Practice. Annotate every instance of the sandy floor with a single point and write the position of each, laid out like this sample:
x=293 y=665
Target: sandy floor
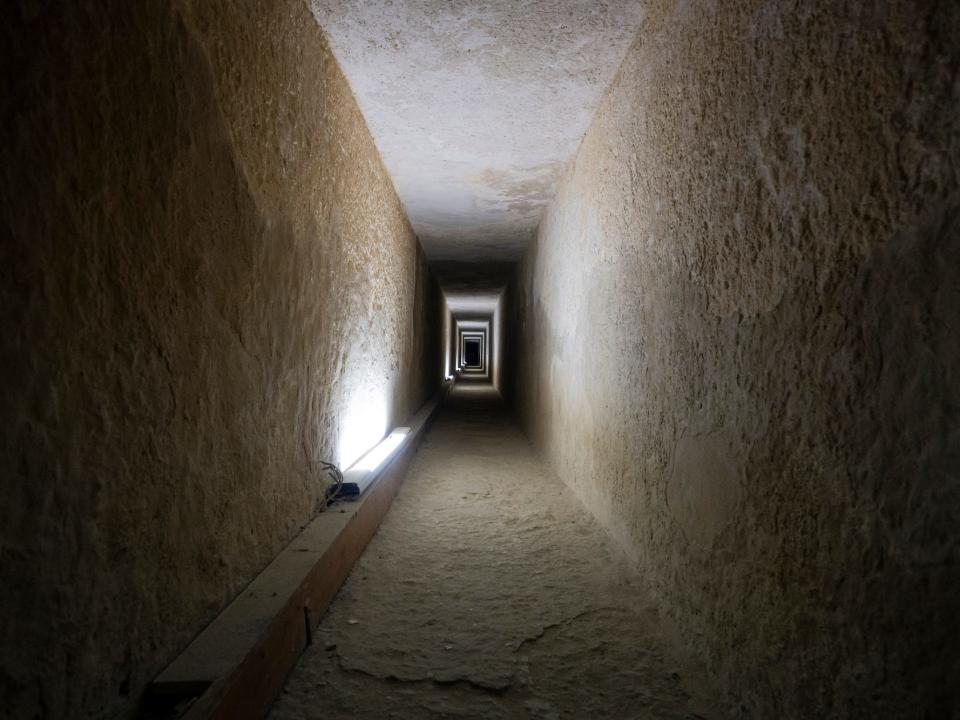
x=488 y=592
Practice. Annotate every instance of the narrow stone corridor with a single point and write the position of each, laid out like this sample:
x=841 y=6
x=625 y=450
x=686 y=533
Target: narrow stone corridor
x=645 y=313
x=489 y=592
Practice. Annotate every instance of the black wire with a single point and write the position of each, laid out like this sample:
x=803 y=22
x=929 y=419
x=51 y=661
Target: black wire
x=334 y=472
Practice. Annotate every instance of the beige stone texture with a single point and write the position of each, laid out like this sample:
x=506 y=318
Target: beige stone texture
x=736 y=339
x=207 y=286
x=528 y=613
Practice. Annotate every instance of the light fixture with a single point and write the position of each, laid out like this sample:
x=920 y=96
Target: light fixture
x=364 y=471
x=376 y=457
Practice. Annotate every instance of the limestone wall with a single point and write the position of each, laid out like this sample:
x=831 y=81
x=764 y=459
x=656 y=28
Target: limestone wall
x=738 y=335
x=207 y=286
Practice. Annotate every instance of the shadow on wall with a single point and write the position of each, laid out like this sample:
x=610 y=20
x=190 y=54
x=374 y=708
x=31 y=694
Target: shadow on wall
x=194 y=318
x=736 y=340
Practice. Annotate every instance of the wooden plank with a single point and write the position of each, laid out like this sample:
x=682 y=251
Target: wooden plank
x=224 y=643
x=243 y=657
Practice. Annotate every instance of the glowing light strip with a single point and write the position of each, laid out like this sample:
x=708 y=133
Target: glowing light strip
x=376 y=457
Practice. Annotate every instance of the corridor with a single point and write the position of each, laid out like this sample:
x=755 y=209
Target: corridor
x=489 y=592
x=690 y=267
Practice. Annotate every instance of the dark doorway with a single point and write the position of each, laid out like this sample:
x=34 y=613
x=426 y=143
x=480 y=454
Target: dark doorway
x=471 y=353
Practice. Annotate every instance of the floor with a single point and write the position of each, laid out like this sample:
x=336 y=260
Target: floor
x=489 y=592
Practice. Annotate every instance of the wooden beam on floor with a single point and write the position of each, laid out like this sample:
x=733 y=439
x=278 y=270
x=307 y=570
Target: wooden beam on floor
x=236 y=666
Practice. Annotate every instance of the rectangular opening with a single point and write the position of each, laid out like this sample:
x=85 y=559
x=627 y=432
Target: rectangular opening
x=471 y=352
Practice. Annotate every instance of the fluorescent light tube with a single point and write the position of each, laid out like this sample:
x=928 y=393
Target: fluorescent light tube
x=359 y=476
x=376 y=457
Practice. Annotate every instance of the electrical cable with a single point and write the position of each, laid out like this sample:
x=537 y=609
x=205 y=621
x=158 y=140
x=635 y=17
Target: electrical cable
x=337 y=476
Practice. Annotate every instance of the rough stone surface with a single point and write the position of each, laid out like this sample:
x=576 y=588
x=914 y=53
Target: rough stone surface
x=207 y=285
x=477 y=107
x=489 y=592
x=738 y=337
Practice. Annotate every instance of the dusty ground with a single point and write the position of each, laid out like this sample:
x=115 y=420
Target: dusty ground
x=488 y=592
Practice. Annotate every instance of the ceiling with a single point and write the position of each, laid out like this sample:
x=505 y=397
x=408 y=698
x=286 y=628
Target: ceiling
x=476 y=107
x=473 y=288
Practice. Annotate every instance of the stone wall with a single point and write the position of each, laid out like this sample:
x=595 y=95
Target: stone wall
x=207 y=286
x=738 y=340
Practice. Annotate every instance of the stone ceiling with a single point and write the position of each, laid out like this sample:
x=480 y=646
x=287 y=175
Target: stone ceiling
x=476 y=107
